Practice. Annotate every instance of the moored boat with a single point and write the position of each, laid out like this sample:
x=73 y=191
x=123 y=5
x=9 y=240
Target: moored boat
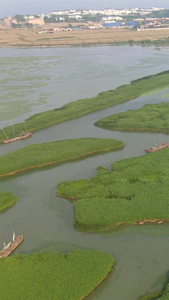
x=152 y=149
x=8 y=249
x=19 y=137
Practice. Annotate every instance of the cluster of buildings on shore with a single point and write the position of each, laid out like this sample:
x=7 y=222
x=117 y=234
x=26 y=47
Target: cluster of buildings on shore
x=34 y=21
x=107 y=18
x=107 y=14
x=9 y=21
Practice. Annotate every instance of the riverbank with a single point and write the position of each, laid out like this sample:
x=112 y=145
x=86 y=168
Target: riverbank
x=48 y=154
x=11 y=37
x=85 y=106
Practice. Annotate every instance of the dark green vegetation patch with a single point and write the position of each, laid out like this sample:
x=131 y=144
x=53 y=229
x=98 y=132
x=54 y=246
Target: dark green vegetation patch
x=165 y=295
x=150 y=117
x=82 y=107
x=6 y=199
x=158 y=295
x=135 y=190
x=53 y=275
x=152 y=296
x=36 y=156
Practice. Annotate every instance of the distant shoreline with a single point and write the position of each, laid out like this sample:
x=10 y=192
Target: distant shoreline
x=29 y=38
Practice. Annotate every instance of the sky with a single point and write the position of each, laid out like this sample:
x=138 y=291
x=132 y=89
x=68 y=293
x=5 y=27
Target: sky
x=33 y=7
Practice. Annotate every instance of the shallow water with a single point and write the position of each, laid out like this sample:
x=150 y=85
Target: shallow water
x=34 y=80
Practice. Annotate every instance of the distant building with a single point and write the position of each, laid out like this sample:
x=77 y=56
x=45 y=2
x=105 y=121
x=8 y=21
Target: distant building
x=14 y=21
x=119 y=24
x=7 y=21
x=36 y=21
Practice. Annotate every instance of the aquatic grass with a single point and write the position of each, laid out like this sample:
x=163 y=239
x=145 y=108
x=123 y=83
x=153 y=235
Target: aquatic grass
x=149 y=118
x=84 y=106
x=152 y=296
x=165 y=294
x=135 y=190
x=53 y=275
x=6 y=199
x=39 y=155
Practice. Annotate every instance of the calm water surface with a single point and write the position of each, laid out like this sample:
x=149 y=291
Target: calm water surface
x=34 y=80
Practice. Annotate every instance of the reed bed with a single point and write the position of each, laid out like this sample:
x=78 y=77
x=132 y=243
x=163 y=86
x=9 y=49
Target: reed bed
x=39 y=155
x=53 y=275
x=149 y=118
x=153 y=296
x=6 y=199
x=165 y=295
x=134 y=191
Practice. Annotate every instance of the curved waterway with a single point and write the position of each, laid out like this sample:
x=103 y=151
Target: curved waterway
x=45 y=220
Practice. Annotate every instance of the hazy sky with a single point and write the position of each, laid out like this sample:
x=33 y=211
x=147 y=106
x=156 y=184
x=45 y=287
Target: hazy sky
x=12 y=7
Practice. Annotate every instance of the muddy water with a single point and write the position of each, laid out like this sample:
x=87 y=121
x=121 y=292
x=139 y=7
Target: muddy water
x=46 y=221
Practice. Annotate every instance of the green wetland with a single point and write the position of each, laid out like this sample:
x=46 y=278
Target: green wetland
x=151 y=118
x=6 y=199
x=80 y=272
x=133 y=191
x=46 y=220
x=54 y=153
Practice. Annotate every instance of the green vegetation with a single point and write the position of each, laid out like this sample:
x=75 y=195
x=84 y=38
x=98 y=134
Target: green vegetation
x=158 y=295
x=163 y=13
x=36 y=156
x=134 y=191
x=165 y=295
x=158 y=42
x=151 y=117
x=6 y=199
x=152 y=296
x=82 y=107
x=53 y=275
x=55 y=18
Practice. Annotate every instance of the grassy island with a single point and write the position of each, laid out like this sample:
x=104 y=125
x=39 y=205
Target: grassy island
x=53 y=275
x=135 y=191
x=40 y=155
x=150 y=118
x=84 y=106
x=6 y=200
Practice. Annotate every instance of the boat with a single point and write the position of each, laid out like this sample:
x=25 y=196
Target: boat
x=11 y=246
x=19 y=137
x=16 y=138
x=152 y=149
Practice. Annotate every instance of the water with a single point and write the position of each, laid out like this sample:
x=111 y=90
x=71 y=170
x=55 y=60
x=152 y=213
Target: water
x=34 y=80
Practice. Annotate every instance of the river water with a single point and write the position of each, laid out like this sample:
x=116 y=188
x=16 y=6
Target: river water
x=35 y=80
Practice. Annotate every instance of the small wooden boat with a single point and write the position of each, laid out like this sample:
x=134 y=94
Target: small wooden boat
x=164 y=145
x=19 y=137
x=8 y=249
